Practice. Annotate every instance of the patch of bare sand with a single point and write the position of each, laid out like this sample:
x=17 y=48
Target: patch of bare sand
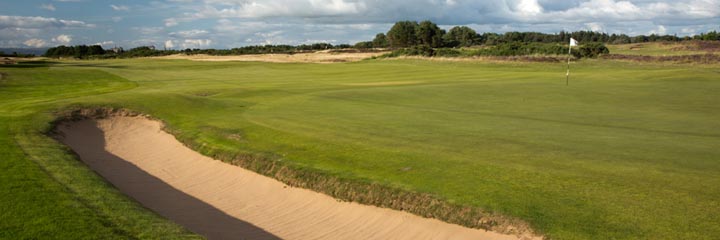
x=222 y=201
x=316 y=57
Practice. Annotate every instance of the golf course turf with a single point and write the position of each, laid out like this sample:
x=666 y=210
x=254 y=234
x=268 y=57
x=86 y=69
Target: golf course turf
x=628 y=150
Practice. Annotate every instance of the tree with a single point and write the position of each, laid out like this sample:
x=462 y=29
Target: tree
x=461 y=36
x=429 y=34
x=491 y=38
x=402 y=34
x=96 y=50
x=710 y=36
x=380 y=41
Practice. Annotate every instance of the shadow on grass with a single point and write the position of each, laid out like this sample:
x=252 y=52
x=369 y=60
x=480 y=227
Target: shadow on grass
x=30 y=64
x=158 y=196
x=100 y=65
x=47 y=63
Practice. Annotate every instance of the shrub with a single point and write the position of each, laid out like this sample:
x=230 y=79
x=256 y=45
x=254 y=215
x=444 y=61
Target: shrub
x=521 y=49
x=591 y=50
x=363 y=45
x=447 y=52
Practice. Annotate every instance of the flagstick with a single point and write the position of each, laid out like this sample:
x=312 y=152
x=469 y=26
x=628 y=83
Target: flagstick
x=567 y=75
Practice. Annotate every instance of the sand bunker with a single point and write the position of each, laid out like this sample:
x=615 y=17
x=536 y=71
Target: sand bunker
x=221 y=201
x=316 y=57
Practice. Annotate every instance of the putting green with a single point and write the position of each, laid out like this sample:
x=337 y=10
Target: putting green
x=627 y=150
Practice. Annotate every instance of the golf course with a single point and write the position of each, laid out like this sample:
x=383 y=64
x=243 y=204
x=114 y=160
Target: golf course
x=626 y=150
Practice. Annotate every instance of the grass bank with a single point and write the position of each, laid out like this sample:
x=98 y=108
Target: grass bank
x=45 y=192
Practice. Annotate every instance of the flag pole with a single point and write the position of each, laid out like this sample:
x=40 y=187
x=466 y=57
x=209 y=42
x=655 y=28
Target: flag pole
x=567 y=75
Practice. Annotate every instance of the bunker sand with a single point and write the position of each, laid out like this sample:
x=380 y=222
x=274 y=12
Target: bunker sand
x=222 y=201
x=316 y=57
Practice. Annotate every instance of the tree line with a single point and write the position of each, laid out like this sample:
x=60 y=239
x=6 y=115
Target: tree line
x=426 y=33
x=589 y=50
x=96 y=51
x=80 y=51
x=15 y=54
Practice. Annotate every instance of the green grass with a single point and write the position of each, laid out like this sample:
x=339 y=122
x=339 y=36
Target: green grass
x=626 y=151
x=46 y=193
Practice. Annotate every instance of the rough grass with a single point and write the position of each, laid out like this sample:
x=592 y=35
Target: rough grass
x=674 y=59
x=666 y=48
x=625 y=152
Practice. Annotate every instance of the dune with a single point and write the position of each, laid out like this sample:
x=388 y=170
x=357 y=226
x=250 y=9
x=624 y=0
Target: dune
x=222 y=201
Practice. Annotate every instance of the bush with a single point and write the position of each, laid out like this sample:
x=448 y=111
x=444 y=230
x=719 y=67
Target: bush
x=522 y=49
x=591 y=50
x=447 y=52
x=364 y=45
x=423 y=50
x=511 y=49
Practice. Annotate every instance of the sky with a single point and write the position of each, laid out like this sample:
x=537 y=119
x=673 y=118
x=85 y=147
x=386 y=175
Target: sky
x=180 y=24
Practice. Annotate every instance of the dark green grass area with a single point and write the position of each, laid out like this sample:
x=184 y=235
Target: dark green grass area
x=626 y=151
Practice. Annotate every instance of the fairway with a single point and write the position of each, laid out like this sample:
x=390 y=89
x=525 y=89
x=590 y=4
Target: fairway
x=626 y=151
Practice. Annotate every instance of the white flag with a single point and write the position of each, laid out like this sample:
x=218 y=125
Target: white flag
x=573 y=42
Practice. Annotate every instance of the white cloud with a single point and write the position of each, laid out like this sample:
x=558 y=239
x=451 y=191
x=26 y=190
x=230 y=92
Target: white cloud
x=144 y=42
x=529 y=7
x=189 y=33
x=688 y=30
x=36 y=43
x=598 y=9
x=169 y=44
x=39 y=22
x=105 y=43
x=661 y=30
x=196 y=43
x=62 y=39
x=119 y=7
x=171 y=22
x=359 y=26
x=148 y=30
x=628 y=11
x=595 y=27
x=280 y=8
x=269 y=34
x=48 y=7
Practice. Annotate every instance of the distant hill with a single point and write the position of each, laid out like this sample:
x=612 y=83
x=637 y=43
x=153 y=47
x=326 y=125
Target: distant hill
x=36 y=51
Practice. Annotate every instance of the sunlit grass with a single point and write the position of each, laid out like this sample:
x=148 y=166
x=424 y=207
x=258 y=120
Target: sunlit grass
x=625 y=151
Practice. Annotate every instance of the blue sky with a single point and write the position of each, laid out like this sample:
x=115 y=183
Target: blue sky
x=180 y=24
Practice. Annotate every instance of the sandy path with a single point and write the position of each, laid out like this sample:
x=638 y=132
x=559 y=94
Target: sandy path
x=221 y=201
